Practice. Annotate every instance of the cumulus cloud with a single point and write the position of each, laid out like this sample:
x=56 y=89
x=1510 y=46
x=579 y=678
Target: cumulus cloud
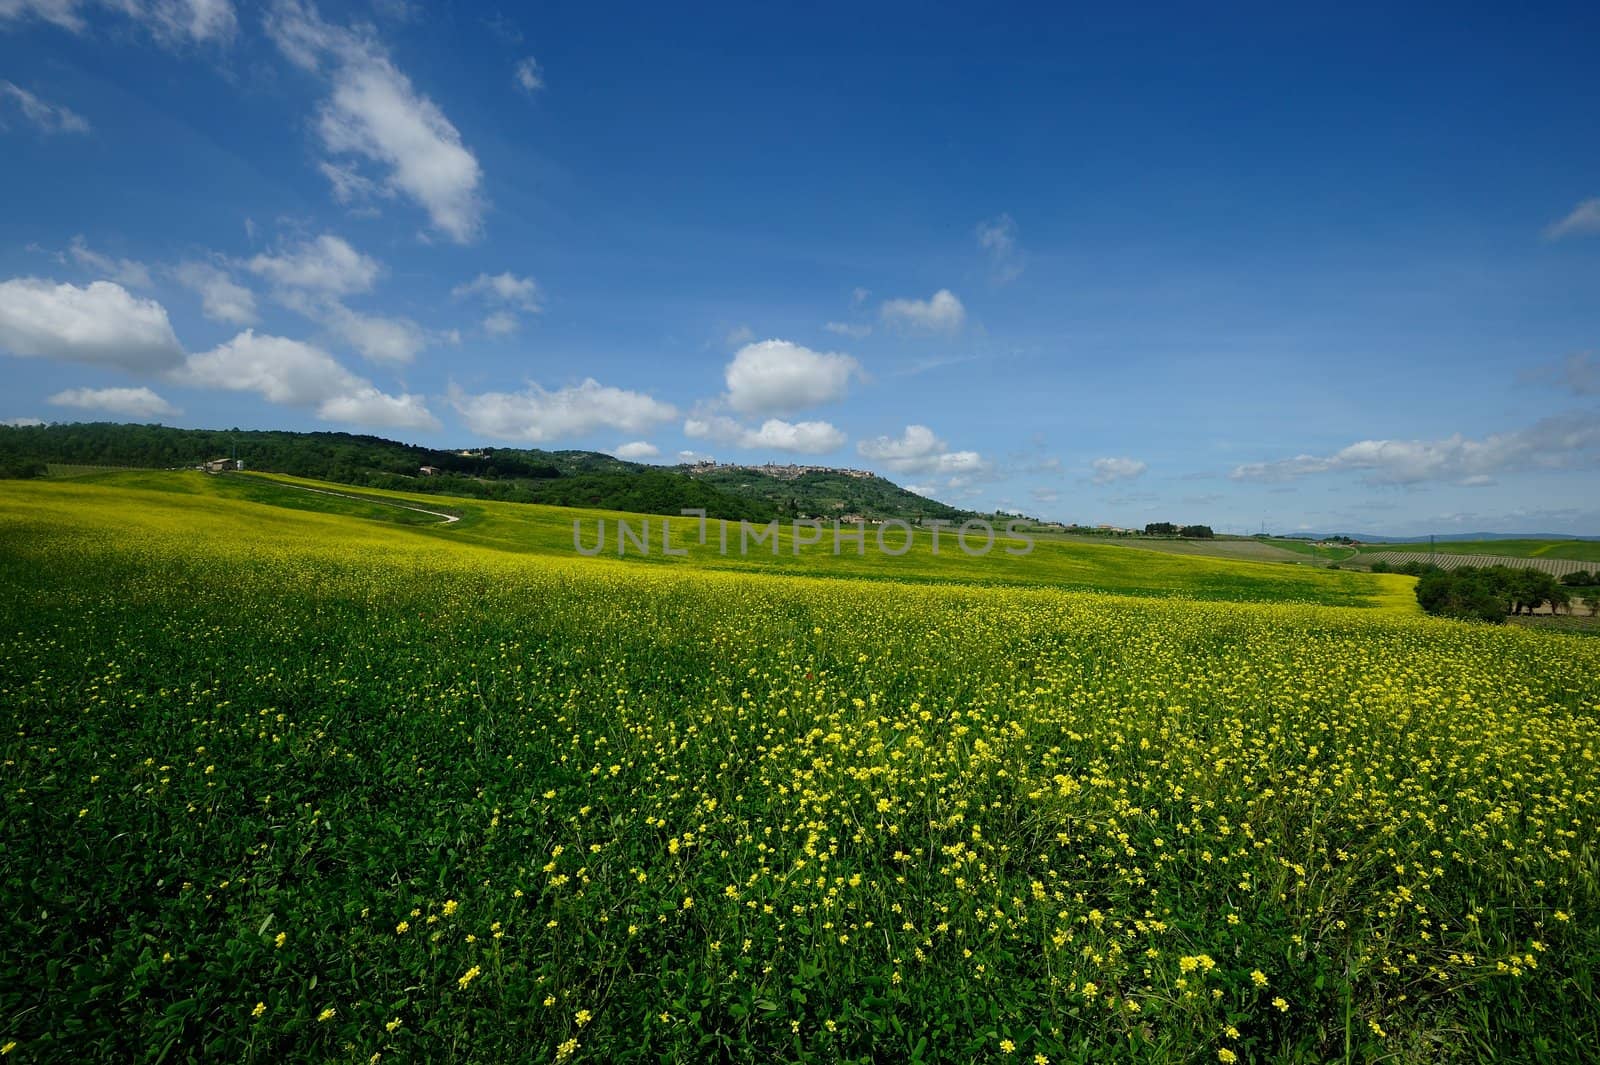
x=1110 y=470
x=294 y=373
x=129 y=272
x=1583 y=220
x=505 y=291
x=942 y=313
x=636 y=450
x=376 y=337
x=919 y=450
x=101 y=323
x=998 y=237
x=129 y=402
x=221 y=298
x=1560 y=442
x=310 y=278
x=538 y=415
x=327 y=265
x=169 y=21
x=778 y=377
x=48 y=117
x=374 y=116
x=506 y=288
x=528 y=75
x=774 y=434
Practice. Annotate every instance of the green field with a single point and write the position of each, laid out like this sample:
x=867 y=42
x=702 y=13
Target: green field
x=1575 y=550
x=332 y=784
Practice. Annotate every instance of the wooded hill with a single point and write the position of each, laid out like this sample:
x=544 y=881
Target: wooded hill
x=518 y=475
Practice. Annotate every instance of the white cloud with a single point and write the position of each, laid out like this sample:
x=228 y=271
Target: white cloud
x=501 y=323
x=49 y=117
x=376 y=337
x=101 y=323
x=739 y=336
x=327 y=265
x=349 y=184
x=1559 y=442
x=372 y=409
x=636 y=450
x=528 y=75
x=849 y=329
x=1109 y=470
x=919 y=450
x=774 y=434
x=941 y=313
x=221 y=298
x=1584 y=220
x=806 y=438
x=507 y=288
x=131 y=402
x=538 y=415
x=169 y=21
x=998 y=237
x=778 y=377
x=311 y=276
x=294 y=373
x=374 y=114
x=129 y=272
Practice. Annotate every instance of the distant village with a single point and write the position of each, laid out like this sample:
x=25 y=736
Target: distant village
x=785 y=472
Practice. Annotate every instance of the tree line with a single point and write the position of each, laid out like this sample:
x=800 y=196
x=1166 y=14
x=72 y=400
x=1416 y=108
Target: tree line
x=1493 y=593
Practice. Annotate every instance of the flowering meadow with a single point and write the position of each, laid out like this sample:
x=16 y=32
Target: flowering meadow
x=283 y=785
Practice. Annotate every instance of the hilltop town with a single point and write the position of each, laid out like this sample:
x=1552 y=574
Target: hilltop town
x=784 y=471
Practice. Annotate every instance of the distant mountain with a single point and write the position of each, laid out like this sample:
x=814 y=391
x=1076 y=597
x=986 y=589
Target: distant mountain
x=1375 y=538
x=519 y=475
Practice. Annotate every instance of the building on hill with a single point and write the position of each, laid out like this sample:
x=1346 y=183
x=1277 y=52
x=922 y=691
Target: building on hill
x=219 y=465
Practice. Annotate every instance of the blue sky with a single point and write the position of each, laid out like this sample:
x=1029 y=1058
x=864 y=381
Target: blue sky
x=1318 y=270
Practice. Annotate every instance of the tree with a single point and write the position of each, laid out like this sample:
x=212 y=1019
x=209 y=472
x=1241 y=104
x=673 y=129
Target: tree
x=1197 y=532
x=1161 y=528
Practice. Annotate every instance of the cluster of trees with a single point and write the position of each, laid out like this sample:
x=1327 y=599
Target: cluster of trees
x=1491 y=593
x=1188 y=532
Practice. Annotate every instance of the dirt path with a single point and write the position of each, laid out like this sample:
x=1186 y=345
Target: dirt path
x=444 y=519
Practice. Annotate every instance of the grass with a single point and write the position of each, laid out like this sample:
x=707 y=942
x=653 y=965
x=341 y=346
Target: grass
x=290 y=785
x=157 y=500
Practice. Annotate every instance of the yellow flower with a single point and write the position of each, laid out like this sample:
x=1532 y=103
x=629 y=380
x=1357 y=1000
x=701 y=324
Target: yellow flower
x=1040 y=1059
x=566 y=1050
x=261 y=1007
x=688 y=903
x=280 y=940
x=9 y=1047
x=583 y=1017
x=1283 y=1006
x=468 y=976
x=402 y=928
x=1007 y=1046
x=1226 y=1056
x=393 y=1026
x=449 y=907
x=1258 y=978
x=326 y=1015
